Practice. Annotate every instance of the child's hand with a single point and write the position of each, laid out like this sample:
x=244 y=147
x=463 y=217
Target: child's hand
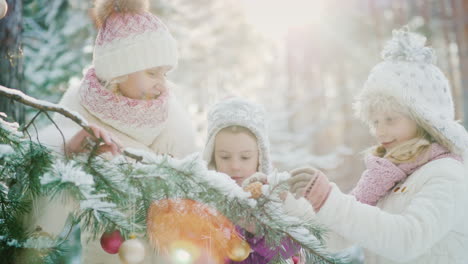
x=299 y=180
x=82 y=142
x=254 y=183
x=312 y=184
x=256 y=177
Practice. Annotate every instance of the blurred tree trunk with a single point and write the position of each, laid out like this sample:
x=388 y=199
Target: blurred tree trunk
x=460 y=8
x=448 y=30
x=11 y=58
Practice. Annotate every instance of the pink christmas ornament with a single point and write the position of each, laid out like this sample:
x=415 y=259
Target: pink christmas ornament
x=111 y=241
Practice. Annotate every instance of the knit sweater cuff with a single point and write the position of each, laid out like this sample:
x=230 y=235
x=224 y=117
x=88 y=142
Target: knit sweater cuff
x=319 y=206
x=318 y=191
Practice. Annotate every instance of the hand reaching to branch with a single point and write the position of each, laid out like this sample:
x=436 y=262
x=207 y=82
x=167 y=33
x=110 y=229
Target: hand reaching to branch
x=310 y=183
x=300 y=179
x=83 y=142
x=256 y=177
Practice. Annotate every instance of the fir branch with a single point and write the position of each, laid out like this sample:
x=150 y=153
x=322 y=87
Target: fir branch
x=93 y=167
x=41 y=105
x=289 y=226
x=32 y=120
x=190 y=171
x=97 y=216
x=64 y=141
x=118 y=182
x=37 y=133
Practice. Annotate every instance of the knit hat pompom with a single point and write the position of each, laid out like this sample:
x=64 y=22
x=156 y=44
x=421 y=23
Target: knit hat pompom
x=104 y=8
x=408 y=46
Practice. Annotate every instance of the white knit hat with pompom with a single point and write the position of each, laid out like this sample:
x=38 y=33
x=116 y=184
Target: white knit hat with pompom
x=130 y=39
x=408 y=75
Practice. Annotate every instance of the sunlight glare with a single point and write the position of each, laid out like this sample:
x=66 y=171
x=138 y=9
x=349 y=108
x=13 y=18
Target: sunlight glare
x=274 y=17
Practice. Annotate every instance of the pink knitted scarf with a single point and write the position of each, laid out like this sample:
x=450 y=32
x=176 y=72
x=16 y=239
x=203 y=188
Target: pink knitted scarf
x=382 y=175
x=142 y=120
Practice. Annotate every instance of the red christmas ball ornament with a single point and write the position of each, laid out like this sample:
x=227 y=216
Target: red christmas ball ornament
x=111 y=241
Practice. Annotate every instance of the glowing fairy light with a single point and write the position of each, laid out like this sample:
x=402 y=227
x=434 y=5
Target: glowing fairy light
x=184 y=252
x=182 y=256
x=274 y=17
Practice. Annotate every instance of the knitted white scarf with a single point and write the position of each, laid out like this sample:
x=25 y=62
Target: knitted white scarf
x=142 y=120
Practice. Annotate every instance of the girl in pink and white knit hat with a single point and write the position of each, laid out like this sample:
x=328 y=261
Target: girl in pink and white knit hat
x=125 y=95
x=125 y=98
x=410 y=205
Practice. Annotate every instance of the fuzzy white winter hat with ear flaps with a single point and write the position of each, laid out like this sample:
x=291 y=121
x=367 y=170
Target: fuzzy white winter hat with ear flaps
x=130 y=39
x=408 y=76
x=239 y=112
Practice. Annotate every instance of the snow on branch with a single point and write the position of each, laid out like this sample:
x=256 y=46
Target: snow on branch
x=45 y=106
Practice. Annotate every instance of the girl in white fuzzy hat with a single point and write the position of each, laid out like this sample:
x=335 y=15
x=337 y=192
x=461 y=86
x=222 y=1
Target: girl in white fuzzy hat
x=238 y=146
x=126 y=98
x=411 y=204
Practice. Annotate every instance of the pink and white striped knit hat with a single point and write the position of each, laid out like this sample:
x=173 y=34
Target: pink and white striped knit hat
x=130 y=39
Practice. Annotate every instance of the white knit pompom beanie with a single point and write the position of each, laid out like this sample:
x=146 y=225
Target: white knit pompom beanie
x=239 y=112
x=408 y=76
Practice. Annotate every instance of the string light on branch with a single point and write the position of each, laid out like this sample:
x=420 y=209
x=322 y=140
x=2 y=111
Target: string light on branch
x=184 y=252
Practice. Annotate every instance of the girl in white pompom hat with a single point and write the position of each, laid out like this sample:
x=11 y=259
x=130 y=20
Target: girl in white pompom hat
x=411 y=204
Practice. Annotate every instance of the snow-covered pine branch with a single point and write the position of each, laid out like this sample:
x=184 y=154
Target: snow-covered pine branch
x=45 y=106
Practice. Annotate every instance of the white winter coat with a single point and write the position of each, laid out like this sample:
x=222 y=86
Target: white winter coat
x=423 y=220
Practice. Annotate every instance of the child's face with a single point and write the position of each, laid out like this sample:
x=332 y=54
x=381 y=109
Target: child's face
x=145 y=85
x=236 y=154
x=392 y=128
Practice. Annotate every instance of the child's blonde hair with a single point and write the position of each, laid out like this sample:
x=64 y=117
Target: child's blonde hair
x=409 y=150
x=113 y=85
x=238 y=129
